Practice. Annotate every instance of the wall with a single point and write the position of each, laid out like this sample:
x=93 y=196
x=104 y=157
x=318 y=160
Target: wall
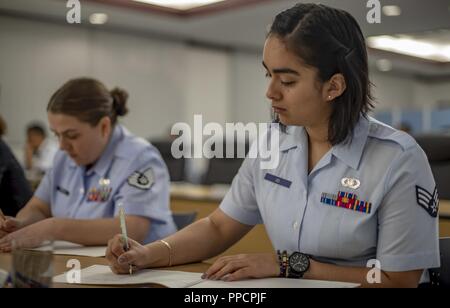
x=168 y=81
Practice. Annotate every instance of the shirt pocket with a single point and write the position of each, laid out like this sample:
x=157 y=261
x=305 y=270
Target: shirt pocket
x=358 y=235
x=96 y=210
x=275 y=190
x=346 y=232
x=279 y=204
x=61 y=200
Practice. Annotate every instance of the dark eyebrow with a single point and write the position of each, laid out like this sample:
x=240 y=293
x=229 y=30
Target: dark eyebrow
x=282 y=70
x=66 y=131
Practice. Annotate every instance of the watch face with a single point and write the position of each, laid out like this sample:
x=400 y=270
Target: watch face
x=299 y=262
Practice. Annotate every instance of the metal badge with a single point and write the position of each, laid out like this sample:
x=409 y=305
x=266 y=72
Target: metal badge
x=104 y=182
x=351 y=183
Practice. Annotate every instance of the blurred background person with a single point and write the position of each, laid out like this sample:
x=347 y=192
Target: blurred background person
x=39 y=149
x=99 y=167
x=14 y=188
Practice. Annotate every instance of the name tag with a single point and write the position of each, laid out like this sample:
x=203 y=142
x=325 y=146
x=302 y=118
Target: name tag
x=62 y=190
x=277 y=180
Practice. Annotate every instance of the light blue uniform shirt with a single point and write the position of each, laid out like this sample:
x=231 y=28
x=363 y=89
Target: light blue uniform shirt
x=130 y=171
x=400 y=230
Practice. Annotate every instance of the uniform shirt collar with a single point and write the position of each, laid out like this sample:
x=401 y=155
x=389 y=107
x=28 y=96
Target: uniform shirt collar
x=351 y=153
x=105 y=160
x=293 y=137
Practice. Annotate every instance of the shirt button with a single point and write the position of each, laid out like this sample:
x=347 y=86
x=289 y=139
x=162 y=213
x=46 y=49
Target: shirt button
x=81 y=191
x=295 y=225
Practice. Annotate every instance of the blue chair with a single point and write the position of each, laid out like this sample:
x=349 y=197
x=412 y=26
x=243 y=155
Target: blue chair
x=437 y=148
x=223 y=170
x=175 y=166
x=440 y=277
x=183 y=219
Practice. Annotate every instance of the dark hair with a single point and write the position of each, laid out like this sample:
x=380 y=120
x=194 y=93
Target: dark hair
x=89 y=101
x=3 y=127
x=331 y=41
x=37 y=128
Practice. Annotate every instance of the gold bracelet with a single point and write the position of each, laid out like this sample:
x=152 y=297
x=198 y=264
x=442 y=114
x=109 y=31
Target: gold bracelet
x=170 y=251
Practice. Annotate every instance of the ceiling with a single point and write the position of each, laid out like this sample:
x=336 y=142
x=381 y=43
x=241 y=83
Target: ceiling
x=240 y=26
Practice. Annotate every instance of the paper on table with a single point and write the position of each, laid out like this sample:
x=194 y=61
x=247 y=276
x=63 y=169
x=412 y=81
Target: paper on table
x=3 y=277
x=102 y=275
x=68 y=248
x=275 y=283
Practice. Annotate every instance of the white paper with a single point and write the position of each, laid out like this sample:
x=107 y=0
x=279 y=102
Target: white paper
x=274 y=283
x=72 y=249
x=102 y=275
x=3 y=277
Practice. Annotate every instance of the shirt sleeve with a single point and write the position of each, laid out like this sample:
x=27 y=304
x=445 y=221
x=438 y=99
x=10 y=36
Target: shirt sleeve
x=146 y=190
x=44 y=189
x=408 y=216
x=240 y=201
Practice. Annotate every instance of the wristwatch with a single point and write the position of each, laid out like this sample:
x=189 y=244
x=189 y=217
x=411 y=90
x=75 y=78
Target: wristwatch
x=298 y=265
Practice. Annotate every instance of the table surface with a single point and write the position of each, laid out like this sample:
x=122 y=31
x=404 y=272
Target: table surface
x=444 y=208
x=60 y=266
x=199 y=192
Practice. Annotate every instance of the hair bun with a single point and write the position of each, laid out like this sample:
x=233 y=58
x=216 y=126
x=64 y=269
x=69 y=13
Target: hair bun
x=120 y=98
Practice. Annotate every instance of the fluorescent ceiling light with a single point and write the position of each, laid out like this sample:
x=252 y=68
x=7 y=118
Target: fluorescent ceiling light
x=392 y=10
x=179 y=4
x=402 y=44
x=384 y=65
x=98 y=18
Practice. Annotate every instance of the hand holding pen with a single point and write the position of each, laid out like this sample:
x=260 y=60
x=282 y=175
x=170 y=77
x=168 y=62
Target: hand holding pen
x=123 y=226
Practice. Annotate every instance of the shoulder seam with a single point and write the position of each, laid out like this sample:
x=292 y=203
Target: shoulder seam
x=410 y=144
x=394 y=163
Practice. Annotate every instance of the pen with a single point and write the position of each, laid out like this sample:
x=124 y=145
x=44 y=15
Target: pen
x=123 y=226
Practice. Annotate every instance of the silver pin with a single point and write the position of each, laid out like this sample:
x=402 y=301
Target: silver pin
x=104 y=182
x=351 y=183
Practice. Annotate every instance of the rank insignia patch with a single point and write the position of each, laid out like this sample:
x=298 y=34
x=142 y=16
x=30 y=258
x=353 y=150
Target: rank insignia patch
x=346 y=200
x=142 y=180
x=428 y=201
